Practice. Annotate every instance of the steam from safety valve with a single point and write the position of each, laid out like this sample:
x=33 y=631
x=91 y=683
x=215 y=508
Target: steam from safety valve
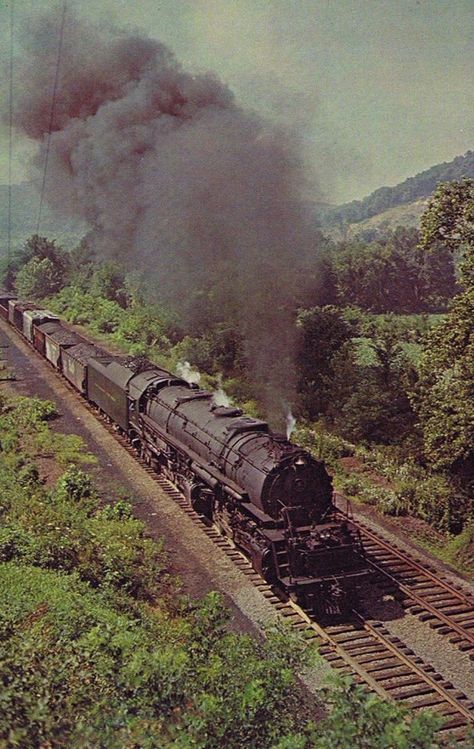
x=290 y=423
x=185 y=370
x=220 y=397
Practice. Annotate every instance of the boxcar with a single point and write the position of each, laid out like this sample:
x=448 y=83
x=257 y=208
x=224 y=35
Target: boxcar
x=74 y=361
x=107 y=387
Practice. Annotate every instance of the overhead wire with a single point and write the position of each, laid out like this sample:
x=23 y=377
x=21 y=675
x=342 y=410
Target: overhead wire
x=51 y=116
x=10 y=141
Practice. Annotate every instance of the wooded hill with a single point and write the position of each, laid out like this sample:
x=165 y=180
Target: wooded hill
x=382 y=211
x=413 y=189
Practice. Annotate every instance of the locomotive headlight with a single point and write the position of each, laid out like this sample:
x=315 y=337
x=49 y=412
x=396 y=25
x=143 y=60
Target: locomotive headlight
x=300 y=462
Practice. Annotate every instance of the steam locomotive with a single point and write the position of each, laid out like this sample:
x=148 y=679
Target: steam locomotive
x=272 y=498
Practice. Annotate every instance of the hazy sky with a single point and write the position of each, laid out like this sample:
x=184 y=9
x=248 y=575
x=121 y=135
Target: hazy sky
x=377 y=89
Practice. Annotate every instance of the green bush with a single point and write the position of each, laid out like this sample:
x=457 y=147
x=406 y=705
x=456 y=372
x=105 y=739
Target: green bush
x=82 y=308
x=65 y=530
x=323 y=444
x=359 y=720
x=76 y=672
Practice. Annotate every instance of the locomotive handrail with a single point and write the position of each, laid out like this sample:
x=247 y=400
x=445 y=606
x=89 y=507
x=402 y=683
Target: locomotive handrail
x=210 y=434
x=195 y=397
x=151 y=424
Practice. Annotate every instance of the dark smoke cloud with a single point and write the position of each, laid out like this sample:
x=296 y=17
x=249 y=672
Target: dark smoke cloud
x=175 y=180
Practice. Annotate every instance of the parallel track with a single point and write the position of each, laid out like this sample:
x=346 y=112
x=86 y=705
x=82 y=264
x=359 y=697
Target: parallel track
x=364 y=648
x=421 y=589
x=361 y=647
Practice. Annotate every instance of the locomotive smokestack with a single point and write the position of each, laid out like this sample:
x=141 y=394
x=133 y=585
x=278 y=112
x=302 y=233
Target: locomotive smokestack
x=174 y=179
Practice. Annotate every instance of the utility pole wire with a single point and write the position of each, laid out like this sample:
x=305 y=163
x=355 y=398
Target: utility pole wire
x=10 y=143
x=51 y=117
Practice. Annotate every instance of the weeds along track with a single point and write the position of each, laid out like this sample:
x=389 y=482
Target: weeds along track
x=361 y=647
x=422 y=590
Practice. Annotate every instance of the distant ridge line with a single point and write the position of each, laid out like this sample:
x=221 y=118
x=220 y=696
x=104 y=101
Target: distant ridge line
x=420 y=186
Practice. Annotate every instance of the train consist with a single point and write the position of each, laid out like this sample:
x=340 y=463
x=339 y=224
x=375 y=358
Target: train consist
x=272 y=498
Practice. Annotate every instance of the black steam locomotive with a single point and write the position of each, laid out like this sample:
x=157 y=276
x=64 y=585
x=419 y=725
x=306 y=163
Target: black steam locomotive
x=272 y=498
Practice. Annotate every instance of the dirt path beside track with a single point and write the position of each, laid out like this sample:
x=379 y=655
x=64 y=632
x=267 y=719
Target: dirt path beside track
x=200 y=564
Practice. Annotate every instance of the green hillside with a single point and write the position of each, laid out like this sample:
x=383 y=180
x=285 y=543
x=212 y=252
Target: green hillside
x=412 y=189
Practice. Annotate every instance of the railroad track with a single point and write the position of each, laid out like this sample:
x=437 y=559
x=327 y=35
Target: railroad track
x=362 y=647
x=420 y=589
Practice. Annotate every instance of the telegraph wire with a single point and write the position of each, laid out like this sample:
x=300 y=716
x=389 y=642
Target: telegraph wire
x=51 y=117
x=10 y=142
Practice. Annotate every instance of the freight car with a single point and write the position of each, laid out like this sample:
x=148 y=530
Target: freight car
x=5 y=297
x=271 y=497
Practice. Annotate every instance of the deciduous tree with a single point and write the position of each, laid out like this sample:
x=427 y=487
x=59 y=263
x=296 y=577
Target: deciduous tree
x=444 y=397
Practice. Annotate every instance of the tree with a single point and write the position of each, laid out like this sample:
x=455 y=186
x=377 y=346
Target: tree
x=40 y=268
x=41 y=247
x=38 y=278
x=107 y=281
x=444 y=396
x=449 y=216
x=394 y=274
x=7 y=273
x=81 y=265
x=378 y=408
x=323 y=335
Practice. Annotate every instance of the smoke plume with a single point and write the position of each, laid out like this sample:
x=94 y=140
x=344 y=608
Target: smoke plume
x=176 y=180
x=220 y=397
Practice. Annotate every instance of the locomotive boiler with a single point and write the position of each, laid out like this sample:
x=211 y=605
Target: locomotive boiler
x=271 y=497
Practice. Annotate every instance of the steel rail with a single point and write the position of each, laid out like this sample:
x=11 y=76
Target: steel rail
x=409 y=591
x=451 y=623
x=290 y=607
x=378 y=539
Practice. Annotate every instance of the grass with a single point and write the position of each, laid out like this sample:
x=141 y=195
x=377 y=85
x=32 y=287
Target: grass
x=457 y=551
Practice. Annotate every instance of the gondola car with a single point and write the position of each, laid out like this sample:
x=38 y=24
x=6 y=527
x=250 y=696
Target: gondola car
x=271 y=497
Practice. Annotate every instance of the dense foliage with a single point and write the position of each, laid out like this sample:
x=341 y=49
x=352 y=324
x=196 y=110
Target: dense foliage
x=395 y=274
x=40 y=268
x=97 y=647
x=444 y=396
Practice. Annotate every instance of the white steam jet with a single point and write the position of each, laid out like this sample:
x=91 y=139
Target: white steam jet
x=220 y=397
x=290 y=423
x=185 y=370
